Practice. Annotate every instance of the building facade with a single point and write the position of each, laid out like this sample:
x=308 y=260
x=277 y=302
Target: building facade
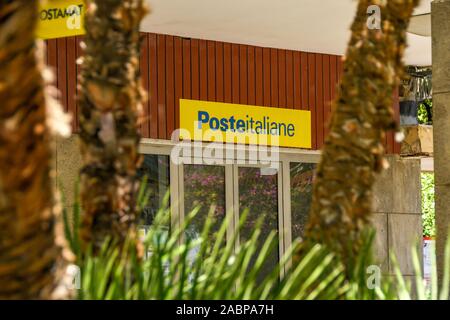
x=175 y=68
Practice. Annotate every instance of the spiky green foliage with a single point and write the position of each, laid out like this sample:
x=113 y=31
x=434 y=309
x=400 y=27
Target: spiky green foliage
x=198 y=269
x=419 y=289
x=177 y=267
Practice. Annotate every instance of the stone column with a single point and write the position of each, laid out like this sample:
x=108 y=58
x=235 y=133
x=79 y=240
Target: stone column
x=397 y=216
x=440 y=16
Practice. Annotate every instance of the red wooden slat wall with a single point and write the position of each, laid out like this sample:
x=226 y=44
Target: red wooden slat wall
x=173 y=67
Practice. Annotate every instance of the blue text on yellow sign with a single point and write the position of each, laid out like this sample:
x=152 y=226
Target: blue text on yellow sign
x=235 y=123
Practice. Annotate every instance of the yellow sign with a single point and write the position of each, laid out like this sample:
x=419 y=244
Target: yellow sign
x=60 y=18
x=235 y=123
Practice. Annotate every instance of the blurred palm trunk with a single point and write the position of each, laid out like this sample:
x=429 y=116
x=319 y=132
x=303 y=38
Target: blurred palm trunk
x=30 y=255
x=110 y=99
x=353 y=152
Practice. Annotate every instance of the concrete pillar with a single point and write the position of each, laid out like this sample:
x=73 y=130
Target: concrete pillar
x=397 y=216
x=440 y=16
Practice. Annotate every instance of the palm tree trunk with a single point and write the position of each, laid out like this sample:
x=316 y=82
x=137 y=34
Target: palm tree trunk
x=110 y=101
x=353 y=151
x=30 y=255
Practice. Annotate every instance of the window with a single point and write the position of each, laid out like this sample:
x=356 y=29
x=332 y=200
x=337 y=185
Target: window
x=301 y=175
x=204 y=186
x=155 y=168
x=282 y=195
x=258 y=194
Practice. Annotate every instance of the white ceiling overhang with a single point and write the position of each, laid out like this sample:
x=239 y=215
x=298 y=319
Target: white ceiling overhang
x=308 y=25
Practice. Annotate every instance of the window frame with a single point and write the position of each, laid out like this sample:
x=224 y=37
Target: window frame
x=286 y=157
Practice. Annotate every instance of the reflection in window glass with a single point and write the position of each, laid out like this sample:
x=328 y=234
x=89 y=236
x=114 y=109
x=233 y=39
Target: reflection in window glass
x=302 y=175
x=156 y=168
x=259 y=195
x=204 y=186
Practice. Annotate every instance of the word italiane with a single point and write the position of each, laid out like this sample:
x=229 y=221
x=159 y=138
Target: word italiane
x=58 y=13
x=248 y=125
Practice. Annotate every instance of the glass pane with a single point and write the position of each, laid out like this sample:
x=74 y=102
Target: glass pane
x=157 y=169
x=258 y=194
x=204 y=187
x=302 y=175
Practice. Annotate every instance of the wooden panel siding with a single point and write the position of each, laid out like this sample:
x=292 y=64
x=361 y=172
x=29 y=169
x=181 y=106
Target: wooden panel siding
x=145 y=74
x=178 y=78
x=153 y=87
x=173 y=67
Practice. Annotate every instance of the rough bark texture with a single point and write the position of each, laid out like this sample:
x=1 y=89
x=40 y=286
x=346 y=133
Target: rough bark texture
x=30 y=255
x=110 y=101
x=353 y=151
